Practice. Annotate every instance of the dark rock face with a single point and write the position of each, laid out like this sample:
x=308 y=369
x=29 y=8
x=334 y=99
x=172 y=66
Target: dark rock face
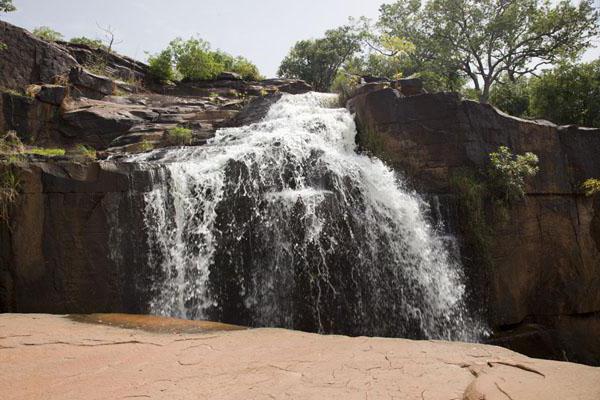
x=91 y=85
x=28 y=59
x=115 y=65
x=543 y=263
x=73 y=230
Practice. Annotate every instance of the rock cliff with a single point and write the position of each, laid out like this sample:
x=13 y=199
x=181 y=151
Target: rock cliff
x=537 y=269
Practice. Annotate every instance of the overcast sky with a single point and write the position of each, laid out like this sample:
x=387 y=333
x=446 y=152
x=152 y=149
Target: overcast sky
x=261 y=30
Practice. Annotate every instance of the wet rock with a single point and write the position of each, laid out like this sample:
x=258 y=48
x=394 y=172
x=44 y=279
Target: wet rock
x=542 y=265
x=254 y=111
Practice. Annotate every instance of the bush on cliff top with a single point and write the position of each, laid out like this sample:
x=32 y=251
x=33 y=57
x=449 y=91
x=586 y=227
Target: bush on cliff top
x=48 y=34
x=193 y=59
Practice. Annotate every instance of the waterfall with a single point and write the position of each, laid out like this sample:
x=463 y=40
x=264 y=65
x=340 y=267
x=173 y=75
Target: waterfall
x=282 y=223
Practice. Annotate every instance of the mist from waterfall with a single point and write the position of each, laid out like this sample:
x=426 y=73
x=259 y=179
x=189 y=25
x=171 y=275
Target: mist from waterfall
x=282 y=223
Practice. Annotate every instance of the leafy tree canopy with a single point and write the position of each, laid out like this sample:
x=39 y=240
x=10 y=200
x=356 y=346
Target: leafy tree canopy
x=7 y=6
x=317 y=61
x=193 y=59
x=485 y=40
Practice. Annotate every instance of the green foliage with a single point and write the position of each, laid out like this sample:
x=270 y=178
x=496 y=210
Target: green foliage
x=7 y=6
x=86 y=151
x=239 y=65
x=179 y=136
x=193 y=59
x=471 y=193
x=10 y=143
x=318 y=61
x=568 y=94
x=47 y=34
x=9 y=191
x=145 y=145
x=161 y=66
x=591 y=187
x=49 y=152
x=484 y=40
x=344 y=84
x=93 y=43
x=512 y=97
x=507 y=173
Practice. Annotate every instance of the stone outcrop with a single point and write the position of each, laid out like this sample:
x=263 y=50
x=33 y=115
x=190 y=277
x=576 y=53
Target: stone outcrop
x=75 y=241
x=538 y=270
x=28 y=59
x=191 y=360
x=50 y=97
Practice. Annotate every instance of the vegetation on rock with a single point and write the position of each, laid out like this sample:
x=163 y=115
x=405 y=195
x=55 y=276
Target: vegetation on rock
x=193 y=59
x=48 y=34
x=591 y=187
x=318 y=61
x=179 y=136
x=507 y=173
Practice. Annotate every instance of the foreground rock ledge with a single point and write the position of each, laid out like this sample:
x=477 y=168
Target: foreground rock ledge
x=53 y=357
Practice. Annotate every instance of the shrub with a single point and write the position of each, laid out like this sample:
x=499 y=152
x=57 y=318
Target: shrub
x=344 y=84
x=47 y=34
x=10 y=143
x=568 y=94
x=507 y=173
x=179 y=136
x=9 y=191
x=511 y=97
x=591 y=187
x=86 y=151
x=161 y=66
x=145 y=145
x=93 y=43
x=49 y=152
x=194 y=60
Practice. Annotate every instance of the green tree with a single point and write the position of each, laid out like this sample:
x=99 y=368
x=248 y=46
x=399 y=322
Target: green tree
x=485 y=40
x=161 y=66
x=512 y=97
x=568 y=94
x=194 y=60
x=47 y=34
x=7 y=6
x=318 y=61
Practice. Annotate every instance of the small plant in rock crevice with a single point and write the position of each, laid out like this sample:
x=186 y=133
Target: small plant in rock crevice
x=179 y=136
x=591 y=187
x=9 y=191
x=507 y=173
x=86 y=152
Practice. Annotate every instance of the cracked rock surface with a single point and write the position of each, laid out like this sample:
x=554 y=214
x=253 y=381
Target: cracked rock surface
x=53 y=357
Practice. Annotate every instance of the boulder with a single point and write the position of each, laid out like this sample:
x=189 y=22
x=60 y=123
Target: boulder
x=51 y=94
x=28 y=60
x=91 y=85
x=229 y=76
x=409 y=86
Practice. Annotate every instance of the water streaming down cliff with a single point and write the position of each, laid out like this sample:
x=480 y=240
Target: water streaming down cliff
x=281 y=223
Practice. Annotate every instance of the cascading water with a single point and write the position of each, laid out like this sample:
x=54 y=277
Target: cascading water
x=281 y=223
